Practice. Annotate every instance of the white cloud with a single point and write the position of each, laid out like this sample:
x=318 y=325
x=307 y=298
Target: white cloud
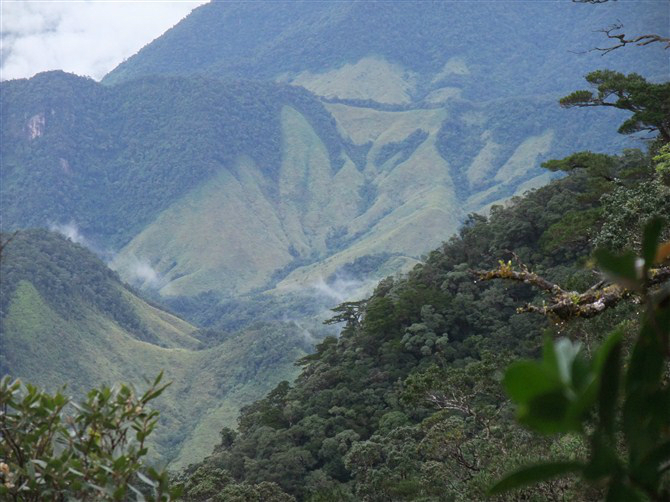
x=138 y=272
x=86 y=37
x=70 y=231
x=343 y=289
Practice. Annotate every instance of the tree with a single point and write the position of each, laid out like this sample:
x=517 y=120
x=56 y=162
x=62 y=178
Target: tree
x=650 y=103
x=54 y=449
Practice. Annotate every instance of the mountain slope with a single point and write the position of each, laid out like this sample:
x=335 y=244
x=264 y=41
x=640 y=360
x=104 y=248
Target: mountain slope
x=407 y=403
x=199 y=185
x=402 y=51
x=67 y=320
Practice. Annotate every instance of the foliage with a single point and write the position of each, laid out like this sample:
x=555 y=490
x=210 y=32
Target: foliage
x=630 y=207
x=663 y=164
x=562 y=392
x=55 y=449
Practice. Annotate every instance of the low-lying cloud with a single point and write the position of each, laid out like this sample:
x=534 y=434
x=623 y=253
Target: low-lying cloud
x=342 y=289
x=138 y=272
x=70 y=231
x=87 y=38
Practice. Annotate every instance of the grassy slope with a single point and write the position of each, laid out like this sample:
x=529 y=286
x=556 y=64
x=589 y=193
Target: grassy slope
x=208 y=386
x=232 y=234
x=83 y=346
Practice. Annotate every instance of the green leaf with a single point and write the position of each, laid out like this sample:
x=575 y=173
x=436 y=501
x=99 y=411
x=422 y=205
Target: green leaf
x=620 y=492
x=621 y=268
x=608 y=365
x=651 y=236
x=147 y=480
x=41 y=463
x=525 y=380
x=604 y=461
x=138 y=494
x=548 y=414
x=561 y=355
x=648 y=472
x=533 y=474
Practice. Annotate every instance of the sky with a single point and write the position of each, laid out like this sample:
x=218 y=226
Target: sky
x=86 y=37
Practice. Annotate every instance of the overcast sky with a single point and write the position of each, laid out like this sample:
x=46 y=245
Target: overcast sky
x=86 y=37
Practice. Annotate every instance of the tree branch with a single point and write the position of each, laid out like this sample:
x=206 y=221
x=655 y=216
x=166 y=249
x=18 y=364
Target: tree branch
x=564 y=305
x=622 y=41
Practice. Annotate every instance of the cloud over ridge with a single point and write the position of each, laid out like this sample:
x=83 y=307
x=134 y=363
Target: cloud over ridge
x=88 y=38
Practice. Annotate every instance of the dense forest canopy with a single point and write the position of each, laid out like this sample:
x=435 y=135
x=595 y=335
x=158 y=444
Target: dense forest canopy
x=407 y=402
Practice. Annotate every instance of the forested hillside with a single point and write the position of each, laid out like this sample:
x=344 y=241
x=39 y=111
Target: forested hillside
x=201 y=187
x=407 y=404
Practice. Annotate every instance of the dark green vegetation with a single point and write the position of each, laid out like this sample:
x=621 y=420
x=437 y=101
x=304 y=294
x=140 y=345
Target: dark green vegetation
x=648 y=102
x=407 y=403
x=629 y=441
x=55 y=449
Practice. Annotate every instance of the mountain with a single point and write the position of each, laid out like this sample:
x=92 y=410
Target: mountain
x=67 y=320
x=263 y=161
x=198 y=185
x=400 y=52
x=417 y=115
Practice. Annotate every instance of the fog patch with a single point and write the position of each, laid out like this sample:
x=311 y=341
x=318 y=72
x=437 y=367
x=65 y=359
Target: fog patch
x=70 y=231
x=302 y=331
x=341 y=288
x=139 y=272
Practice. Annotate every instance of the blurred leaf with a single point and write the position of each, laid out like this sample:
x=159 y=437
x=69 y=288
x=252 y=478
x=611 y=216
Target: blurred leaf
x=620 y=492
x=147 y=480
x=651 y=236
x=526 y=379
x=607 y=362
x=604 y=461
x=622 y=268
x=648 y=472
x=534 y=474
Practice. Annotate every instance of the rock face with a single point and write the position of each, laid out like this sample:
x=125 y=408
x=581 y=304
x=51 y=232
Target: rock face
x=35 y=126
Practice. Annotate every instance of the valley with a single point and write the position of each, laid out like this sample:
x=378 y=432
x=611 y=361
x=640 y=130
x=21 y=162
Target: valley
x=260 y=164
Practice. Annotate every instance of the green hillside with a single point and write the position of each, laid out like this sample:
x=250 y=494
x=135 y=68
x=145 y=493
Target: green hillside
x=195 y=186
x=264 y=161
x=67 y=320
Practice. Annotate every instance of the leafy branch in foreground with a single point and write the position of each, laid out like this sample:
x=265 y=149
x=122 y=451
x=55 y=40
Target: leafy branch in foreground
x=623 y=410
x=52 y=448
